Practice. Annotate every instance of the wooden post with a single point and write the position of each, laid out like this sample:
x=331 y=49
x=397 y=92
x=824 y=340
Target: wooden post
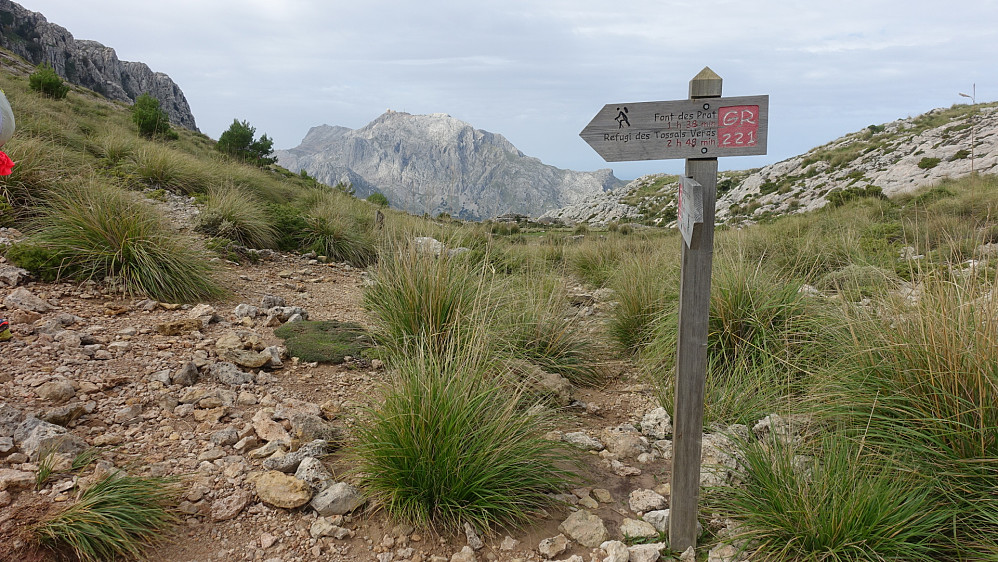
x=691 y=358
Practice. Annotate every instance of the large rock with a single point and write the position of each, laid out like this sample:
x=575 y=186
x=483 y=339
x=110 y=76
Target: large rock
x=656 y=424
x=553 y=546
x=282 y=490
x=11 y=276
x=23 y=299
x=339 y=499
x=634 y=529
x=268 y=429
x=245 y=349
x=57 y=391
x=228 y=373
x=643 y=500
x=625 y=441
x=230 y=506
x=585 y=528
x=36 y=437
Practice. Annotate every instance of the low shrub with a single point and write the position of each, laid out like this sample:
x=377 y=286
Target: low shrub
x=45 y=80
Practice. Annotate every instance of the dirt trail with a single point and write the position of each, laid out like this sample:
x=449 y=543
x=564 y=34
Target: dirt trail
x=137 y=425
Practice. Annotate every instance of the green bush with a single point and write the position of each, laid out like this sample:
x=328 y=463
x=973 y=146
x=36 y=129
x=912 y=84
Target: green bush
x=289 y=225
x=99 y=232
x=45 y=80
x=118 y=517
x=927 y=163
x=238 y=141
x=151 y=120
x=325 y=341
x=448 y=445
x=378 y=199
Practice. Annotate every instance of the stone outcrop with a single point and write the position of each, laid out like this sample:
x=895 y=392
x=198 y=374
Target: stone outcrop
x=436 y=163
x=88 y=63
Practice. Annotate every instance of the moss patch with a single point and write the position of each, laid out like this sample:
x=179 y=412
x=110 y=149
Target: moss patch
x=325 y=341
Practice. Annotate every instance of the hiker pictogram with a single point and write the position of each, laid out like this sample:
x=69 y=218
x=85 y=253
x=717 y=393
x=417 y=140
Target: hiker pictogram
x=621 y=118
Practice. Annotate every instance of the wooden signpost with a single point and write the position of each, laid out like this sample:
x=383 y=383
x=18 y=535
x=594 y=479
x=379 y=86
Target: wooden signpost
x=699 y=129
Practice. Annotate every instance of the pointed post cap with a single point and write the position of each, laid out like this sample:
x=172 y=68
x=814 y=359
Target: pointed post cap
x=706 y=84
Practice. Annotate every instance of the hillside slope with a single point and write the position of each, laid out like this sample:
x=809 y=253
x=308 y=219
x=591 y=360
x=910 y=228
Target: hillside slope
x=897 y=157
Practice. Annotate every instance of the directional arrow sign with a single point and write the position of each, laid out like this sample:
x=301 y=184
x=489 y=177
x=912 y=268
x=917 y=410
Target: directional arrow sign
x=701 y=128
x=690 y=220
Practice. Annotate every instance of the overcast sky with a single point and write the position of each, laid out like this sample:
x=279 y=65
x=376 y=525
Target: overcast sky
x=536 y=71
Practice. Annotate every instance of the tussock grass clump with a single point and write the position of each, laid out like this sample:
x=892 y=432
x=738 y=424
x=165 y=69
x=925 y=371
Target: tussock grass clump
x=161 y=167
x=926 y=387
x=765 y=340
x=98 y=232
x=421 y=301
x=645 y=290
x=829 y=503
x=542 y=334
x=230 y=212
x=118 y=517
x=449 y=444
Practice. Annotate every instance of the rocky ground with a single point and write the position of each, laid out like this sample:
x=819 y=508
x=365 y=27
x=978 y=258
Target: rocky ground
x=208 y=394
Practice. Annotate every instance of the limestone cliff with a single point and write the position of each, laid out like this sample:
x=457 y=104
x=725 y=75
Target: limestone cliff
x=88 y=63
x=436 y=163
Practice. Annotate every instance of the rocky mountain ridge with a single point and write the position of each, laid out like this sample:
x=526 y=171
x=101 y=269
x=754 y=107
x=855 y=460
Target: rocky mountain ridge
x=894 y=158
x=88 y=63
x=438 y=164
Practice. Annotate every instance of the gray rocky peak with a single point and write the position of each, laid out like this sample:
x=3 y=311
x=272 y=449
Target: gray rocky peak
x=436 y=163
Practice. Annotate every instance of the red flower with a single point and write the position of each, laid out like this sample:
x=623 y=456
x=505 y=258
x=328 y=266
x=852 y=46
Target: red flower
x=6 y=164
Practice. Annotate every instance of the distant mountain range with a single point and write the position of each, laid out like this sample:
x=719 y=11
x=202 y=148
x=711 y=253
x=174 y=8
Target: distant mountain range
x=436 y=163
x=88 y=63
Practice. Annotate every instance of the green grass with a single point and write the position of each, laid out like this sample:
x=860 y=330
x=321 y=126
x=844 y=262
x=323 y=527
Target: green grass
x=120 y=516
x=926 y=387
x=448 y=443
x=99 y=232
x=423 y=302
x=829 y=504
x=325 y=341
x=229 y=212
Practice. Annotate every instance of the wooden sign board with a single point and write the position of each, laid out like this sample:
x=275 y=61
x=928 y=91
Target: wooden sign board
x=690 y=210
x=695 y=128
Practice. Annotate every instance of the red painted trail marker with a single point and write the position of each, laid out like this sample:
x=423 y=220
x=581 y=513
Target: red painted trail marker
x=699 y=129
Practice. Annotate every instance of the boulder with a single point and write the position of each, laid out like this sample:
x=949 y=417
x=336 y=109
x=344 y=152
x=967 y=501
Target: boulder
x=282 y=490
x=230 y=506
x=57 y=391
x=553 y=546
x=656 y=424
x=22 y=299
x=36 y=437
x=585 y=528
x=339 y=499
x=644 y=500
